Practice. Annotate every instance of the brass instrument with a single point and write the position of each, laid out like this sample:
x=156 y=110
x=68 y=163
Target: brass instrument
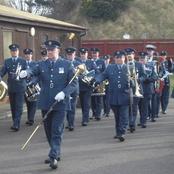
x=18 y=70
x=159 y=85
x=134 y=76
x=80 y=68
x=3 y=90
x=88 y=76
x=106 y=82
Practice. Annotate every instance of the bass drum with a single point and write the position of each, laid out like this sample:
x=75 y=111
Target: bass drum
x=32 y=93
x=3 y=90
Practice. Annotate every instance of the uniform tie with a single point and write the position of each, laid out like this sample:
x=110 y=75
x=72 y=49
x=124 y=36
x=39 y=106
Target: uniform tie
x=14 y=60
x=52 y=64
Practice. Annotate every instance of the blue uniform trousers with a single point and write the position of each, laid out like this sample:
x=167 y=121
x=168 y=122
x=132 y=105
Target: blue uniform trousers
x=85 y=97
x=54 y=127
x=165 y=97
x=106 y=104
x=16 y=104
x=96 y=104
x=154 y=105
x=158 y=102
x=145 y=108
x=121 y=118
x=132 y=119
x=71 y=113
x=31 y=109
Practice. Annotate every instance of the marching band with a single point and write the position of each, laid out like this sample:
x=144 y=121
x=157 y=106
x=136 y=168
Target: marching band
x=130 y=87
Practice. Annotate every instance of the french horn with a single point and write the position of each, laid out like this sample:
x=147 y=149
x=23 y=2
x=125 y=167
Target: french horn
x=3 y=90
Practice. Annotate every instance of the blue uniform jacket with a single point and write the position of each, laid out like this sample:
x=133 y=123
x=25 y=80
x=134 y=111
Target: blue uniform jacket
x=54 y=80
x=76 y=63
x=90 y=65
x=151 y=75
x=164 y=68
x=118 y=84
x=31 y=65
x=78 y=59
x=100 y=64
x=10 y=68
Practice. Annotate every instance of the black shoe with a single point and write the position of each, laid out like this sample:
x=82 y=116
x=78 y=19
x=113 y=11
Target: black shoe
x=71 y=128
x=92 y=117
x=116 y=136
x=104 y=114
x=67 y=127
x=15 y=128
x=53 y=164
x=98 y=118
x=153 y=120
x=139 y=124
x=132 y=129
x=107 y=115
x=48 y=161
x=84 y=124
x=157 y=116
x=30 y=123
x=144 y=126
x=164 y=112
x=121 y=137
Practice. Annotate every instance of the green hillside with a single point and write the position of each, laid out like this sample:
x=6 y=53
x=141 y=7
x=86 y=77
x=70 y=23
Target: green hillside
x=155 y=18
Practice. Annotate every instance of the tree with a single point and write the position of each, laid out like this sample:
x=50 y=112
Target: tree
x=104 y=9
x=60 y=9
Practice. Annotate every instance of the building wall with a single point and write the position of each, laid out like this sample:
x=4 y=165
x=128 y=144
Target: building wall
x=20 y=34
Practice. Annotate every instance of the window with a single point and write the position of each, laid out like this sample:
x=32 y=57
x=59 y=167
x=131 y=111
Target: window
x=44 y=37
x=7 y=40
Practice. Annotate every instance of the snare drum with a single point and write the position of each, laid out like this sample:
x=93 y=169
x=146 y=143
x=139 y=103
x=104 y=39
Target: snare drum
x=32 y=93
x=99 y=90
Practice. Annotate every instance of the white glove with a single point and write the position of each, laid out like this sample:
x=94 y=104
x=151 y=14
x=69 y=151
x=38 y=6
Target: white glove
x=60 y=96
x=23 y=74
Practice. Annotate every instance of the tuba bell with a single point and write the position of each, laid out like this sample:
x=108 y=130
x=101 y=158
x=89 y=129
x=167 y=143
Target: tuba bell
x=3 y=90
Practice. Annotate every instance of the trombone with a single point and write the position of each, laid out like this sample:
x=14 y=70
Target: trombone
x=129 y=64
x=80 y=68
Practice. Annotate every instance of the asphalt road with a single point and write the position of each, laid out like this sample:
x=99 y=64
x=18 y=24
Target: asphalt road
x=91 y=149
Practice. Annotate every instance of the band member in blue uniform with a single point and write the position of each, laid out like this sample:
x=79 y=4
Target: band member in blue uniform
x=106 y=105
x=140 y=76
x=120 y=90
x=86 y=89
x=96 y=101
x=153 y=107
x=55 y=74
x=31 y=105
x=70 y=55
x=148 y=87
x=166 y=81
x=44 y=55
x=16 y=86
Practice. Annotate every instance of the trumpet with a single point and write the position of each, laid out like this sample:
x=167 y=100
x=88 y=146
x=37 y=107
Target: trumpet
x=18 y=70
x=134 y=76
